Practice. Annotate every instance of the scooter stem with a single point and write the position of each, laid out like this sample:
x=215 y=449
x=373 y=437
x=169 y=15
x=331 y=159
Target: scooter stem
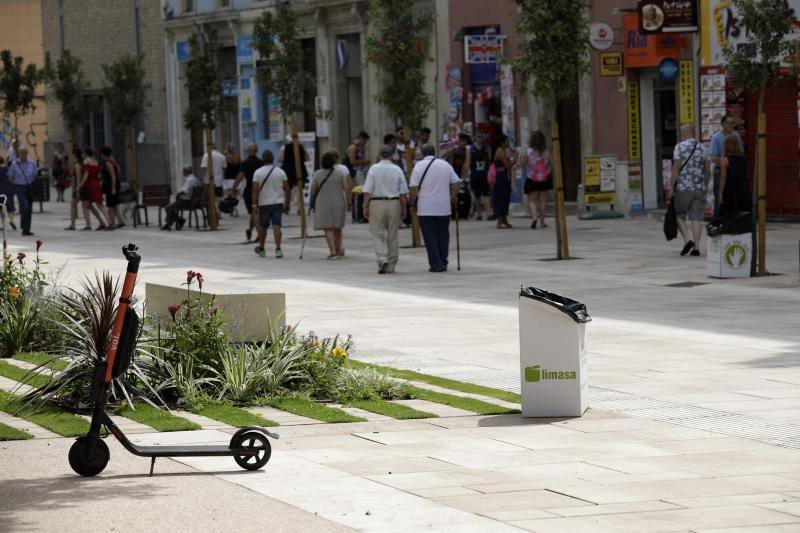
x=133 y=258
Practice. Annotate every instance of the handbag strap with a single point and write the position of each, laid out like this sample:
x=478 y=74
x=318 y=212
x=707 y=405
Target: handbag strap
x=419 y=187
x=688 y=158
x=268 y=175
x=24 y=175
x=323 y=181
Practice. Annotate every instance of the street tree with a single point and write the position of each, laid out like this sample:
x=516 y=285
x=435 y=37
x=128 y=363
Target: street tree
x=70 y=87
x=208 y=106
x=126 y=95
x=755 y=66
x=550 y=63
x=18 y=84
x=398 y=44
x=280 y=74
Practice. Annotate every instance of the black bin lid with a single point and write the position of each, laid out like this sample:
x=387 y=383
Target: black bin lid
x=572 y=308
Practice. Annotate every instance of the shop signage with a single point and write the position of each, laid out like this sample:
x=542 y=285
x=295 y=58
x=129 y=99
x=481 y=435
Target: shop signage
x=182 y=51
x=483 y=48
x=601 y=36
x=686 y=92
x=668 y=69
x=643 y=50
x=634 y=126
x=244 y=49
x=668 y=16
x=599 y=179
x=611 y=64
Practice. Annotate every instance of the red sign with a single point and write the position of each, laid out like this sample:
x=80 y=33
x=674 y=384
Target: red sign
x=642 y=50
x=668 y=16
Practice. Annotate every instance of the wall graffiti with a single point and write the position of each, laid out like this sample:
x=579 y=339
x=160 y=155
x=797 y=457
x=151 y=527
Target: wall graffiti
x=8 y=133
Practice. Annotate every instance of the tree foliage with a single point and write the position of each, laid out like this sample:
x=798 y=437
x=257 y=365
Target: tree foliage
x=18 y=84
x=280 y=69
x=205 y=80
x=768 y=23
x=398 y=44
x=556 y=53
x=126 y=90
x=69 y=85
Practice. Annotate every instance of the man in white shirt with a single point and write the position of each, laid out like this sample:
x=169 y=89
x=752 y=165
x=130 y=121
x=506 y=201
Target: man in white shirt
x=385 y=193
x=182 y=199
x=435 y=183
x=271 y=197
x=218 y=166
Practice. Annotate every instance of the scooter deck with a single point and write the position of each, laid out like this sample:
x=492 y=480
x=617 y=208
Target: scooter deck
x=190 y=451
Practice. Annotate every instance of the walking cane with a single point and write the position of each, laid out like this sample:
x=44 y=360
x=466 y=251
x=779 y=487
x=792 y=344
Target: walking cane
x=302 y=246
x=458 y=243
x=3 y=199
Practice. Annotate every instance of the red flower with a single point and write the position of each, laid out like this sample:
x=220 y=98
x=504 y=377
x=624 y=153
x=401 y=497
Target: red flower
x=190 y=276
x=21 y=257
x=39 y=244
x=199 y=277
x=173 y=310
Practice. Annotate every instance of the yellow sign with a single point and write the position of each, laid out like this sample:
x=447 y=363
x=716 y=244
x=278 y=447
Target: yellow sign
x=611 y=64
x=599 y=179
x=686 y=88
x=634 y=126
x=599 y=198
x=591 y=172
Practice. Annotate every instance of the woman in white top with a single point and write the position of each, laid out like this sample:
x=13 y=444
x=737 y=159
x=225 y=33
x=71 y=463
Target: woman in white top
x=539 y=177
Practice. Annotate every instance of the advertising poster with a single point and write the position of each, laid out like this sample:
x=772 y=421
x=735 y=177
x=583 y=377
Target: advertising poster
x=634 y=126
x=686 y=88
x=668 y=16
x=599 y=179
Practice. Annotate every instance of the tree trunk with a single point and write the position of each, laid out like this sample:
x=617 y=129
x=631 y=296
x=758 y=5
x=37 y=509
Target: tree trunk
x=131 y=155
x=416 y=234
x=761 y=161
x=561 y=219
x=298 y=172
x=213 y=216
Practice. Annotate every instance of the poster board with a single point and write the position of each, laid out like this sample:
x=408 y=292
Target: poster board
x=599 y=179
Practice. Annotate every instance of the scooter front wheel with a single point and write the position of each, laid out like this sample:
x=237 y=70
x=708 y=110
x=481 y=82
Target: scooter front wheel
x=255 y=440
x=88 y=455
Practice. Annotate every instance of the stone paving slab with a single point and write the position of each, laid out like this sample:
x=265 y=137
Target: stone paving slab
x=127 y=425
x=283 y=418
x=203 y=421
x=437 y=409
x=355 y=411
x=19 y=423
x=488 y=399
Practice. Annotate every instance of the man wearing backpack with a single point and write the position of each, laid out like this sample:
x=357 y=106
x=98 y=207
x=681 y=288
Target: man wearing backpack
x=271 y=198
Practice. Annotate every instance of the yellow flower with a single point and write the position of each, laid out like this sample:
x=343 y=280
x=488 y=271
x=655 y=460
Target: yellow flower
x=14 y=292
x=339 y=352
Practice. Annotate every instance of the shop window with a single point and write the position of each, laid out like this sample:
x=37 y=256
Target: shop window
x=223 y=4
x=188 y=6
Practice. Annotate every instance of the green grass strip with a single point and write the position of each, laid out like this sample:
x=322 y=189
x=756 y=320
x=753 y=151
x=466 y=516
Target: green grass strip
x=445 y=383
x=48 y=415
x=460 y=402
x=233 y=416
x=157 y=419
x=312 y=409
x=50 y=362
x=23 y=375
x=394 y=410
x=9 y=433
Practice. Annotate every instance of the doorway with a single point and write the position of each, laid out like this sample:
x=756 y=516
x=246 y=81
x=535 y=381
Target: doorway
x=659 y=119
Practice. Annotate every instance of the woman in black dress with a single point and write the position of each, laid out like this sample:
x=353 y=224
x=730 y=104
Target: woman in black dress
x=733 y=178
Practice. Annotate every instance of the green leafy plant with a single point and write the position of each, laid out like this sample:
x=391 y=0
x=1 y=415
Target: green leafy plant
x=69 y=85
x=126 y=95
x=17 y=320
x=399 y=44
x=367 y=384
x=18 y=84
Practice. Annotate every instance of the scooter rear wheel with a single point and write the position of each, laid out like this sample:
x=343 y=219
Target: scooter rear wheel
x=88 y=455
x=252 y=439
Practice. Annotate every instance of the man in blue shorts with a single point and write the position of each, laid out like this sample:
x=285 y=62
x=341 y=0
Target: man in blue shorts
x=270 y=199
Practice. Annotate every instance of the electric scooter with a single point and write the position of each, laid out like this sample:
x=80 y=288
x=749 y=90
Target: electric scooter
x=89 y=454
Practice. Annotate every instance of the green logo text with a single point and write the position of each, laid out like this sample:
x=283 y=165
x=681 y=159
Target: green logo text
x=535 y=374
x=736 y=254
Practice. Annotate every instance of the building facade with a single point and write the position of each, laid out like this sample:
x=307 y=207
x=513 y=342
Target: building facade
x=21 y=34
x=98 y=32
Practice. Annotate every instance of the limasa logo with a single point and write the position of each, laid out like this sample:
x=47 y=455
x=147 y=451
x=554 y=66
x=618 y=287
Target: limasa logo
x=736 y=254
x=535 y=374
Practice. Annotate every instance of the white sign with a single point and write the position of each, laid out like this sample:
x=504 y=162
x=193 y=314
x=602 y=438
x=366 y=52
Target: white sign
x=729 y=256
x=322 y=109
x=601 y=35
x=507 y=102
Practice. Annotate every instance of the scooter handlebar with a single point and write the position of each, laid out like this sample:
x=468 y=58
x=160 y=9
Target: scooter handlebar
x=131 y=255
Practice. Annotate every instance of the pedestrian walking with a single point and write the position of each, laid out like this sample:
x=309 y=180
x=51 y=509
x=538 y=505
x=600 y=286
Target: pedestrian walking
x=505 y=158
x=90 y=191
x=331 y=189
x=75 y=172
x=433 y=189
x=110 y=180
x=247 y=168
x=539 y=178
x=218 y=163
x=7 y=190
x=385 y=201
x=182 y=200
x=716 y=151
x=271 y=198
x=690 y=174
x=231 y=172
x=355 y=159
x=735 y=196
x=59 y=170
x=478 y=159
x=22 y=172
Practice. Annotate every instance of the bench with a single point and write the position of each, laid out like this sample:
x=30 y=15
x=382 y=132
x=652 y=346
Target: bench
x=152 y=196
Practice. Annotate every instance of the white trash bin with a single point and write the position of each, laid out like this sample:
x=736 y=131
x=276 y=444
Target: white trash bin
x=553 y=370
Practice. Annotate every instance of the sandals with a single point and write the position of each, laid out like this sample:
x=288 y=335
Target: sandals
x=70 y=228
x=87 y=228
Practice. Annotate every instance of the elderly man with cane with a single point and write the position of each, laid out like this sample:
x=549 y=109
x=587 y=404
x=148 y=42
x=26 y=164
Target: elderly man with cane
x=435 y=184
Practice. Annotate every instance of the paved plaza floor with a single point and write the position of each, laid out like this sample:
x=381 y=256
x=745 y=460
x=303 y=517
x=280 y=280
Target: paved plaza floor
x=694 y=420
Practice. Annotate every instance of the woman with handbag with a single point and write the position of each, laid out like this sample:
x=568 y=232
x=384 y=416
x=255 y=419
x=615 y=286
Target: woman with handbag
x=505 y=158
x=539 y=181
x=90 y=191
x=330 y=201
